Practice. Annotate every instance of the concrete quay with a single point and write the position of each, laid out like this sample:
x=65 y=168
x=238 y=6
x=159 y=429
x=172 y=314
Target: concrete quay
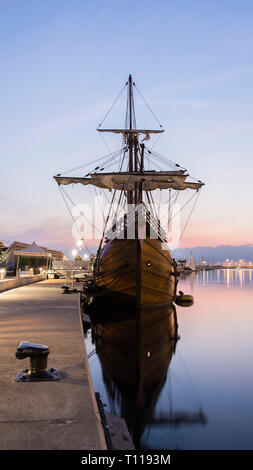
x=59 y=415
x=13 y=282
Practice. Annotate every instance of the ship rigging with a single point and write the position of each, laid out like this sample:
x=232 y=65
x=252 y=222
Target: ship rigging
x=134 y=265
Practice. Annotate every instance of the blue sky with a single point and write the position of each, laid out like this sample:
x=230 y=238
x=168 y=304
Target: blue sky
x=63 y=63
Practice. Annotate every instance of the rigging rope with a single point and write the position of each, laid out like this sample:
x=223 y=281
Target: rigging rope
x=113 y=104
x=167 y=161
x=172 y=202
x=157 y=140
x=111 y=158
x=146 y=103
x=108 y=215
x=192 y=384
x=187 y=202
x=104 y=141
x=154 y=162
x=198 y=192
x=102 y=212
x=80 y=212
x=61 y=190
x=111 y=154
x=164 y=160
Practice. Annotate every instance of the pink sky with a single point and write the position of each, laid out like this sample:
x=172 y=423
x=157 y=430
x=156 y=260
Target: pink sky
x=58 y=234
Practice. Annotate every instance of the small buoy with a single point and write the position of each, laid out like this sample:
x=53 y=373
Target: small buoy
x=184 y=300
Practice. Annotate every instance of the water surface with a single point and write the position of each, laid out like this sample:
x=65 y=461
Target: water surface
x=192 y=392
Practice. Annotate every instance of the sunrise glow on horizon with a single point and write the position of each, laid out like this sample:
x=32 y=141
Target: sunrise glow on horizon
x=62 y=67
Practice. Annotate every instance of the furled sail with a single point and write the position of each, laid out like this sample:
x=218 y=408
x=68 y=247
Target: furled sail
x=132 y=131
x=126 y=181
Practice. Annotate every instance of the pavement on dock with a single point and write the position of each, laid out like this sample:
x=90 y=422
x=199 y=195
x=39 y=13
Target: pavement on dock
x=46 y=415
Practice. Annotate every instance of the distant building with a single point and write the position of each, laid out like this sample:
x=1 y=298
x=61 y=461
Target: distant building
x=7 y=253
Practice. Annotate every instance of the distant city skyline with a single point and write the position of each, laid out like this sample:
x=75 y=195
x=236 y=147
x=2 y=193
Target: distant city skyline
x=63 y=63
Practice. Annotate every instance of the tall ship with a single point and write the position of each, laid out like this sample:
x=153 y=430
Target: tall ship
x=134 y=266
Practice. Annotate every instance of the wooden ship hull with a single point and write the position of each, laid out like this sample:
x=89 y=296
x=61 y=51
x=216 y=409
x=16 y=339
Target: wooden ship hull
x=135 y=273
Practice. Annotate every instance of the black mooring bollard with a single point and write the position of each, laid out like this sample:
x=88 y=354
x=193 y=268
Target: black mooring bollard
x=37 y=371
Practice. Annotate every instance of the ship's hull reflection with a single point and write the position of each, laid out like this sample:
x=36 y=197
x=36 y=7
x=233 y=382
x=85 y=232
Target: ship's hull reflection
x=135 y=350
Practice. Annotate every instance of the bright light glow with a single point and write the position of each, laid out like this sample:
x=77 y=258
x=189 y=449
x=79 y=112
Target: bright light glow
x=74 y=252
x=85 y=256
x=79 y=243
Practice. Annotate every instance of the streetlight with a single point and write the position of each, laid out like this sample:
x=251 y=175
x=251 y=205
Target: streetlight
x=79 y=243
x=2 y=274
x=74 y=252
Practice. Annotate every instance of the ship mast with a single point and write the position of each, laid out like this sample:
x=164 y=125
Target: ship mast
x=136 y=195
x=130 y=136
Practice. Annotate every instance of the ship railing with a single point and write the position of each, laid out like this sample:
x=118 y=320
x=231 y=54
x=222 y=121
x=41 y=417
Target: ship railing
x=129 y=219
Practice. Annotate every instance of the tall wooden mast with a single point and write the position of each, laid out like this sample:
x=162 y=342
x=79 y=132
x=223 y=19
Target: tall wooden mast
x=130 y=136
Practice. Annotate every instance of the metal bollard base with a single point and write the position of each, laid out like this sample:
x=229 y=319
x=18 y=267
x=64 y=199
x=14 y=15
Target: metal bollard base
x=41 y=376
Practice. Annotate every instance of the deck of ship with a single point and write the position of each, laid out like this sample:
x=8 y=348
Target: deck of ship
x=46 y=415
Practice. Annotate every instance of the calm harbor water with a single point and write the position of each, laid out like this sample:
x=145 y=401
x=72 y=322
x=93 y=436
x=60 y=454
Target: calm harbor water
x=185 y=388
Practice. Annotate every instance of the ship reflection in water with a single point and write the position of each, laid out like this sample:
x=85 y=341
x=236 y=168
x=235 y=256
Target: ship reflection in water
x=160 y=384
x=135 y=352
